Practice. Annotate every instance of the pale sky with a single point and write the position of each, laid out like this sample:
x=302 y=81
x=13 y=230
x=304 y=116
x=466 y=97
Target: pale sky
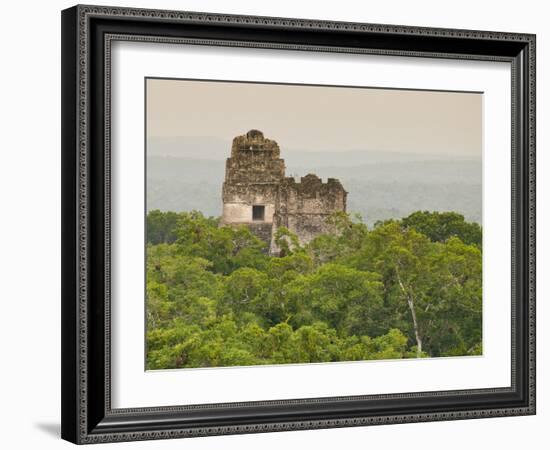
x=319 y=118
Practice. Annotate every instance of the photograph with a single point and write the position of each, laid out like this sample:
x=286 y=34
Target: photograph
x=300 y=223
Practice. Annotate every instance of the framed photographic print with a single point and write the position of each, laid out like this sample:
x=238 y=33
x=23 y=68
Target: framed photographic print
x=279 y=224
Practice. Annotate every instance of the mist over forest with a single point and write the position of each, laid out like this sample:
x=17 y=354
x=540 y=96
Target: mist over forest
x=187 y=174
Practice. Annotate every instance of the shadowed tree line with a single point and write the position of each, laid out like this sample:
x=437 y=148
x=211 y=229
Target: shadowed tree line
x=406 y=288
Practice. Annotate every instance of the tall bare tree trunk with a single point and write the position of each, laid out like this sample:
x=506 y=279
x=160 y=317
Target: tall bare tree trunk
x=410 y=302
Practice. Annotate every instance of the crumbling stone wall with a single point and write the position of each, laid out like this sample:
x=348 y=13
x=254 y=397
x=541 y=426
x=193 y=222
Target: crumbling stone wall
x=304 y=207
x=255 y=181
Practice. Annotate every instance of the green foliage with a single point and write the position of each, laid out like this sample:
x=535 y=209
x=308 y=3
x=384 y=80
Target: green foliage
x=161 y=227
x=347 y=236
x=227 y=248
x=287 y=242
x=346 y=299
x=441 y=226
x=409 y=288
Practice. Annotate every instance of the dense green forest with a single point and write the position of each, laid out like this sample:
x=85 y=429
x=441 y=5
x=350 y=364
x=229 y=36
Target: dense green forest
x=403 y=289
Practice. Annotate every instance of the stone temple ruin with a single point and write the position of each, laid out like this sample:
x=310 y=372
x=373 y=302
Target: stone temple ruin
x=257 y=193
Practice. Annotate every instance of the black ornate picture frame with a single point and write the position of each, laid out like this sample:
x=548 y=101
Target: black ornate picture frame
x=87 y=35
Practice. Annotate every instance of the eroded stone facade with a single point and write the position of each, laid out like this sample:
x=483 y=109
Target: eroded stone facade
x=257 y=193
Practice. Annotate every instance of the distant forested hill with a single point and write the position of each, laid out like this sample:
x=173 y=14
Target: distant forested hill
x=380 y=185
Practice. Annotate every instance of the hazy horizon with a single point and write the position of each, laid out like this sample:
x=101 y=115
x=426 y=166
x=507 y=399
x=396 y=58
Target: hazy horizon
x=184 y=147
x=318 y=118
